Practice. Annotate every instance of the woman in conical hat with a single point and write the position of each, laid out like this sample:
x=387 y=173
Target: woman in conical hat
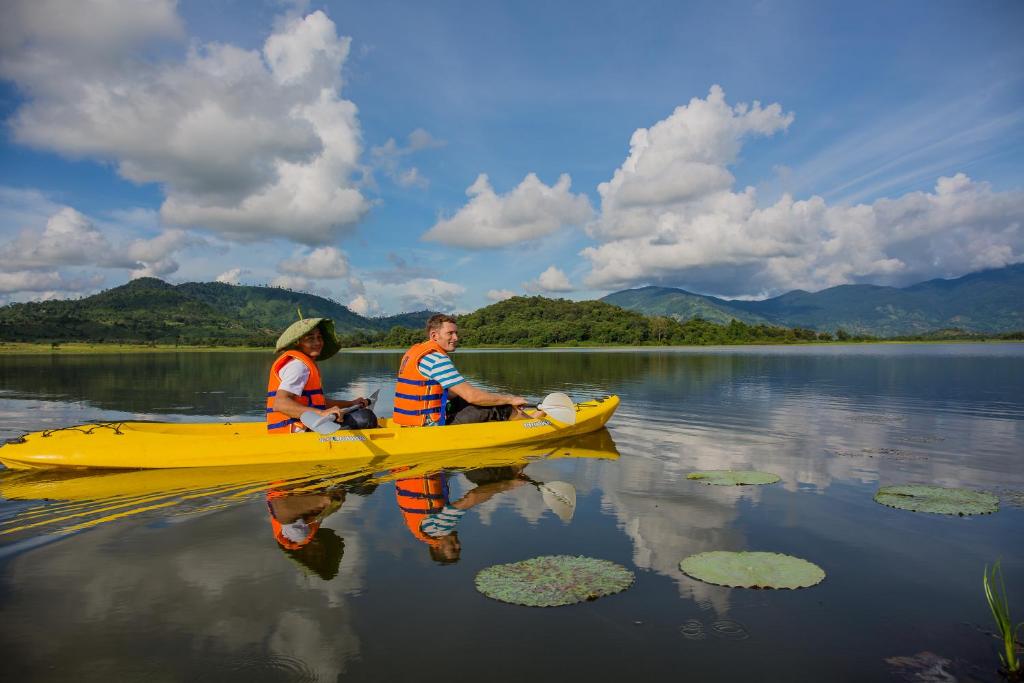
x=294 y=386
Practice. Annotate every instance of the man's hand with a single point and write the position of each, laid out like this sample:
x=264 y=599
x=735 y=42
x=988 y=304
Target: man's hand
x=517 y=402
x=361 y=402
x=333 y=410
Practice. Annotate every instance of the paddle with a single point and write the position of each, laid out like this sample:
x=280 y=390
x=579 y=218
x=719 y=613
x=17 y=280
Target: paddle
x=327 y=424
x=559 y=496
x=559 y=407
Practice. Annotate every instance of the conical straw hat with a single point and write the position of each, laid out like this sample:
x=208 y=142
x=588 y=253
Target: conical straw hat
x=297 y=330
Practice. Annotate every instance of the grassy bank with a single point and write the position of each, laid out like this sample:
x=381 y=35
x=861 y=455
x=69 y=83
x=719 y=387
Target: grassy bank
x=96 y=348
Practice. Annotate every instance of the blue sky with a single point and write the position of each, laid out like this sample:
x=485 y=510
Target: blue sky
x=395 y=155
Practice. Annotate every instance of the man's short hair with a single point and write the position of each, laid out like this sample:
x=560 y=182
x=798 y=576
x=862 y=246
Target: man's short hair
x=437 y=321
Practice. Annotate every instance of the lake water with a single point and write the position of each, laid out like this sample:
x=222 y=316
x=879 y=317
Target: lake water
x=132 y=576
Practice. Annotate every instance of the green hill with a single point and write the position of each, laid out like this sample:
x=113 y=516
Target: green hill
x=681 y=305
x=151 y=310
x=984 y=302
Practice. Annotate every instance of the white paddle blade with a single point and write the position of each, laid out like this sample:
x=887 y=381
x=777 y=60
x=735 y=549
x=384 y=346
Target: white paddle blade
x=321 y=424
x=559 y=408
x=370 y=401
x=560 y=497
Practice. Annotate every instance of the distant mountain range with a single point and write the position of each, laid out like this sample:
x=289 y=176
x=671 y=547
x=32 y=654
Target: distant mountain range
x=151 y=310
x=148 y=309
x=989 y=301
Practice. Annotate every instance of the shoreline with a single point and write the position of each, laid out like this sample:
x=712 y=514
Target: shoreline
x=99 y=348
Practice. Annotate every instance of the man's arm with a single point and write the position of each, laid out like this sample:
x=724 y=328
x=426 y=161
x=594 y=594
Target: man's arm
x=479 y=397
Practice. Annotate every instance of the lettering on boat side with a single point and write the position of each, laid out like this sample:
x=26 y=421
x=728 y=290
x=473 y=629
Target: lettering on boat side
x=536 y=423
x=349 y=437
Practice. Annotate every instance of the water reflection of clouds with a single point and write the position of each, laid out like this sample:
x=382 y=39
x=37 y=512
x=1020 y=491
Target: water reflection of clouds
x=199 y=597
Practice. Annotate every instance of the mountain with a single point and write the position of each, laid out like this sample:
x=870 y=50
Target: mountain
x=151 y=310
x=988 y=301
x=681 y=305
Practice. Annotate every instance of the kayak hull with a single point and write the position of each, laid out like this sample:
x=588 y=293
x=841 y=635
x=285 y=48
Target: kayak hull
x=158 y=445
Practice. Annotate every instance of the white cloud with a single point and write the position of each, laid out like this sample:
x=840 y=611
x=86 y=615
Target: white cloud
x=421 y=293
x=47 y=285
x=67 y=239
x=71 y=239
x=30 y=281
x=243 y=142
x=670 y=215
x=363 y=305
x=322 y=262
x=232 y=276
x=500 y=294
x=529 y=211
x=551 y=280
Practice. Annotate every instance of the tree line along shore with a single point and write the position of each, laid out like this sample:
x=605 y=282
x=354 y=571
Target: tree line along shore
x=521 y=322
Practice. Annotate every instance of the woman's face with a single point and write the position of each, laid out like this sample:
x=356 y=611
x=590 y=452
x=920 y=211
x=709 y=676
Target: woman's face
x=312 y=344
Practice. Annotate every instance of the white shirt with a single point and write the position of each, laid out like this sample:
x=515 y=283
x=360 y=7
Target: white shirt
x=294 y=374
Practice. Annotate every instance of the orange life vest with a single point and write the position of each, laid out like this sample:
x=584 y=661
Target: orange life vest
x=275 y=525
x=416 y=397
x=419 y=497
x=312 y=393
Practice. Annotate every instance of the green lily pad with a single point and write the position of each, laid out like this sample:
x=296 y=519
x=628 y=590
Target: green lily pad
x=553 y=580
x=733 y=477
x=938 y=500
x=752 y=570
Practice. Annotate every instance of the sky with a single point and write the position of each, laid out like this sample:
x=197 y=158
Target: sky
x=397 y=156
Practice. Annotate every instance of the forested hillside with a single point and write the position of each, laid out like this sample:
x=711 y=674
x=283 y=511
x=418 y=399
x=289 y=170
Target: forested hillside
x=983 y=302
x=151 y=310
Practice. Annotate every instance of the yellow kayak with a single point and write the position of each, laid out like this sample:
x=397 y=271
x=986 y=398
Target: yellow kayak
x=158 y=445
x=63 y=484
x=78 y=499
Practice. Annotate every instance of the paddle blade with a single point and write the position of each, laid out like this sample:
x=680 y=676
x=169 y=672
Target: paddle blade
x=321 y=424
x=560 y=497
x=559 y=408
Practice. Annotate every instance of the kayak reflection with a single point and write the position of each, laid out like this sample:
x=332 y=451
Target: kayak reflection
x=62 y=500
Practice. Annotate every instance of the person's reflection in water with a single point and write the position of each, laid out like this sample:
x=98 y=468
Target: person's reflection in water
x=296 y=518
x=431 y=518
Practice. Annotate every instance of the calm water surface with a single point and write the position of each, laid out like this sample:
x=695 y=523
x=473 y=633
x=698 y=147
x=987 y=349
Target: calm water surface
x=142 y=575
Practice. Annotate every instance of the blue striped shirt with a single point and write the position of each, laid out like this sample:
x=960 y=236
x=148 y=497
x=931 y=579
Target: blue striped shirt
x=438 y=367
x=442 y=523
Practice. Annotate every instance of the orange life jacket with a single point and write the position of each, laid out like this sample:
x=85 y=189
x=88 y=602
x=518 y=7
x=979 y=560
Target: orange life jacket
x=275 y=525
x=419 y=497
x=312 y=393
x=416 y=397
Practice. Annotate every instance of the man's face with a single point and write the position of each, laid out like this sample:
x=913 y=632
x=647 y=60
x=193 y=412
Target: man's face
x=446 y=336
x=312 y=344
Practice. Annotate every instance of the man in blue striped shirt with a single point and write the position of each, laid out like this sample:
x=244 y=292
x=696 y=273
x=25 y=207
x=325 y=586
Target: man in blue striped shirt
x=465 y=403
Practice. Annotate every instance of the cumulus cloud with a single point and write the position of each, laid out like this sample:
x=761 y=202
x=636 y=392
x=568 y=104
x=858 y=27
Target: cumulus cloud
x=243 y=142
x=551 y=280
x=422 y=293
x=530 y=211
x=670 y=215
x=362 y=305
x=322 y=262
x=500 y=294
x=71 y=239
x=232 y=276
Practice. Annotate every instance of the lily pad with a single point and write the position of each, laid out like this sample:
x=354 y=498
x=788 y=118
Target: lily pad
x=733 y=477
x=553 y=580
x=937 y=499
x=752 y=570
